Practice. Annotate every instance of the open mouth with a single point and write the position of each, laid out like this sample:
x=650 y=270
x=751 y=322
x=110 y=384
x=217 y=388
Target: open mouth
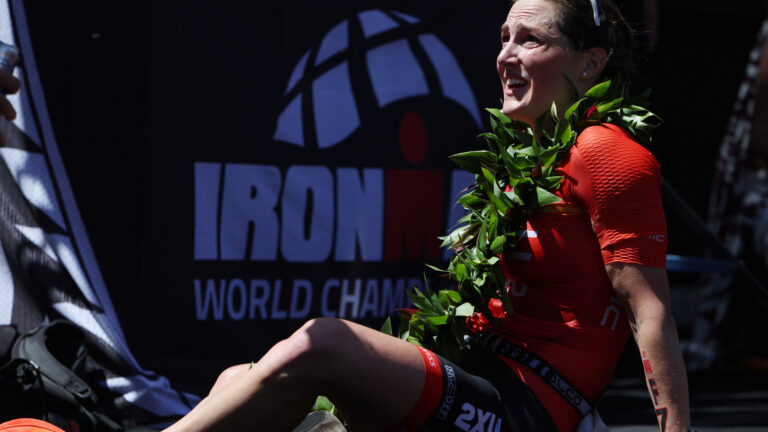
x=515 y=82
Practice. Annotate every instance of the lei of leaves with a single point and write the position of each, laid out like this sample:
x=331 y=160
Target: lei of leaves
x=513 y=178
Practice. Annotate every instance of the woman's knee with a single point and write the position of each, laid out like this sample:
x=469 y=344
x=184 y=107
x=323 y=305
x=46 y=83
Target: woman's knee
x=320 y=338
x=228 y=375
x=311 y=351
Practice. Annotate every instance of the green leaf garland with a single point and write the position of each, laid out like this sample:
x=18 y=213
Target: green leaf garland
x=513 y=178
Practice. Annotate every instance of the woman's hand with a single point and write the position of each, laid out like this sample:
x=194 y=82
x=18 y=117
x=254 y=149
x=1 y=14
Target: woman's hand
x=9 y=84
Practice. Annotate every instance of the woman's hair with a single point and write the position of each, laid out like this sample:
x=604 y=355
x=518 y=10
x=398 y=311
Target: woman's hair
x=577 y=22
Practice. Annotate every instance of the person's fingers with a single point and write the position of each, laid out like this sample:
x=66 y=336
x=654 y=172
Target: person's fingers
x=8 y=82
x=6 y=109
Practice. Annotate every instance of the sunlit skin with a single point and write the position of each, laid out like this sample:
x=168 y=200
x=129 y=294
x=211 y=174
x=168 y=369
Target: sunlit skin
x=534 y=61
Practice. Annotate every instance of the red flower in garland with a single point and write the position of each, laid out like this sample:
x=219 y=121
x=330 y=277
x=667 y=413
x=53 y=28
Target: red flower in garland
x=592 y=110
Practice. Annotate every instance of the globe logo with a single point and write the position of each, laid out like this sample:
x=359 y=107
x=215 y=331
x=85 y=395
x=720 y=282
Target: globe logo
x=400 y=60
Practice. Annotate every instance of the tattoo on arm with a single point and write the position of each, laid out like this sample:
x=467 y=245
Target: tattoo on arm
x=654 y=390
x=662 y=411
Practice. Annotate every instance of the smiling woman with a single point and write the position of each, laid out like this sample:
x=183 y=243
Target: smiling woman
x=548 y=45
x=536 y=61
x=584 y=269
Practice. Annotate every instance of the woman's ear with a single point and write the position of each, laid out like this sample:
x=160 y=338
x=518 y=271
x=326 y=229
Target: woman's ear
x=593 y=62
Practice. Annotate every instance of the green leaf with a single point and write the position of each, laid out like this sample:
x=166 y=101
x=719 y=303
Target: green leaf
x=497 y=245
x=522 y=163
x=502 y=118
x=405 y=327
x=488 y=176
x=572 y=109
x=472 y=201
x=512 y=195
x=488 y=135
x=527 y=151
x=414 y=341
x=419 y=300
x=490 y=182
x=548 y=156
x=450 y=296
x=494 y=125
x=472 y=161
x=493 y=225
x=453 y=237
x=563 y=132
x=501 y=279
x=438 y=320
x=604 y=107
x=437 y=269
x=535 y=146
x=482 y=238
x=322 y=403
x=545 y=197
x=599 y=91
x=461 y=272
x=465 y=309
x=551 y=182
x=387 y=327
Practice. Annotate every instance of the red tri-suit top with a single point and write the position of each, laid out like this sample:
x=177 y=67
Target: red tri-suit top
x=565 y=308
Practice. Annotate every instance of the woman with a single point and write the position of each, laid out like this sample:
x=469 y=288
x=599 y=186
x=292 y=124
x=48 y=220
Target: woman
x=572 y=316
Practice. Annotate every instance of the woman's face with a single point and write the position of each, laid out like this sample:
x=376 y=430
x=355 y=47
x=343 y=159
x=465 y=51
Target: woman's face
x=535 y=58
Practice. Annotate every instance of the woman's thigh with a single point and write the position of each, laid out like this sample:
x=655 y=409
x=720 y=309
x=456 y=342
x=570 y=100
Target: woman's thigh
x=484 y=395
x=374 y=378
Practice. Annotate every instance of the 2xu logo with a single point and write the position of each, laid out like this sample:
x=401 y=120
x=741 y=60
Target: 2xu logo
x=484 y=421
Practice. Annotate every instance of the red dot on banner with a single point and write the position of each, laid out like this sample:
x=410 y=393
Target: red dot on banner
x=413 y=138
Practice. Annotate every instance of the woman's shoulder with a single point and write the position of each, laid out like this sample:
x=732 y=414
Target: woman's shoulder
x=608 y=148
x=609 y=140
x=605 y=133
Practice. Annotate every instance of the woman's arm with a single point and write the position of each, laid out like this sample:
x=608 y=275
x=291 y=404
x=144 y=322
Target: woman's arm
x=645 y=294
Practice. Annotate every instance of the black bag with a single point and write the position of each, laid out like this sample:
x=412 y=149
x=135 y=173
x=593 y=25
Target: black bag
x=39 y=379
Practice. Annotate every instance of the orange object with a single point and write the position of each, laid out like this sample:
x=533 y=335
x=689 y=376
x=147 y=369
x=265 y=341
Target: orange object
x=28 y=425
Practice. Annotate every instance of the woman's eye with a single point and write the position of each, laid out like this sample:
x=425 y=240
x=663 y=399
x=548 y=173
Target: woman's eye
x=504 y=39
x=531 y=40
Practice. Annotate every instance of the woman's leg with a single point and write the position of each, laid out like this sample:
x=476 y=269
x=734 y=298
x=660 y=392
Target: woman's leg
x=375 y=380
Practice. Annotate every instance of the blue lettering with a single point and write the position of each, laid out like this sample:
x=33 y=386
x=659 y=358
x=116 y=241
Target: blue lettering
x=350 y=298
x=305 y=286
x=239 y=286
x=276 y=312
x=248 y=203
x=360 y=214
x=308 y=192
x=329 y=284
x=258 y=301
x=211 y=300
x=370 y=299
x=206 y=210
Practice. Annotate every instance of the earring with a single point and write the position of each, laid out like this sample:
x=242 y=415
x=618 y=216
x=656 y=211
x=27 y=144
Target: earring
x=583 y=74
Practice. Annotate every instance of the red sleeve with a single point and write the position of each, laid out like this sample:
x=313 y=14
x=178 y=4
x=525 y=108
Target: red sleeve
x=618 y=182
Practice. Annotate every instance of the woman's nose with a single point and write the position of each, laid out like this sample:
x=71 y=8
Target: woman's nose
x=507 y=53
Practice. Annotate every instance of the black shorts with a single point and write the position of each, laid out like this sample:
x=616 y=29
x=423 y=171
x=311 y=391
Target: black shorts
x=484 y=395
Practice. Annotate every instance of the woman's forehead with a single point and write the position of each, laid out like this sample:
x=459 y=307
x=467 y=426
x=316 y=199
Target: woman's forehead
x=541 y=14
